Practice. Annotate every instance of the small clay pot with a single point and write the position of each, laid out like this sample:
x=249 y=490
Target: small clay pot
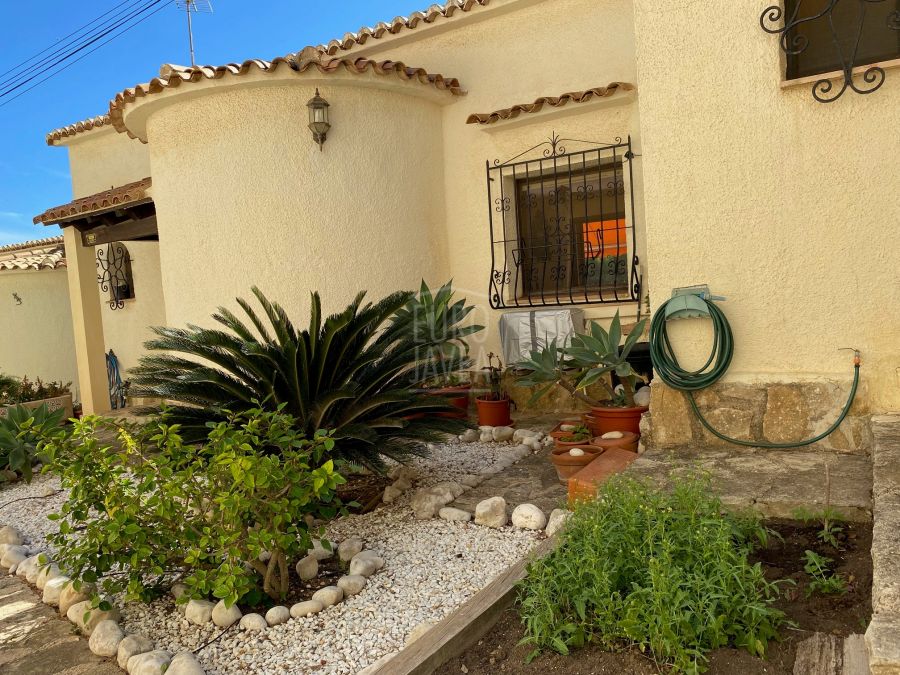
x=567 y=465
x=629 y=441
x=602 y=419
x=493 y=413
x=568 y=445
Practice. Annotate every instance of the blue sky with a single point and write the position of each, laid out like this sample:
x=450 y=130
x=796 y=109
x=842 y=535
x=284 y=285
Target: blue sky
x=34 y=176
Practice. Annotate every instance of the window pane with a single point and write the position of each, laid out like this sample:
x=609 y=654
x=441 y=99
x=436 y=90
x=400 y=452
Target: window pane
x=877 y=41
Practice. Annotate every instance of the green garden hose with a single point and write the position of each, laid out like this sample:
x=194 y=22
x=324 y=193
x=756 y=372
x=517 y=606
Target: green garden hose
x=666 y=365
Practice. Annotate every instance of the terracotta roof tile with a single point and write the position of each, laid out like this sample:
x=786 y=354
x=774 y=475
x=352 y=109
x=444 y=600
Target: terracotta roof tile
x=77 y=128
x=554 y=101
x=303 y=61
x=132 y=193
x=38 y=254
x=379 y=30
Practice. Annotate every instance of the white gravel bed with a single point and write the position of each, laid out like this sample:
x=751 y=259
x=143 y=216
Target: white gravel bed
x=431 y=567
x=29 y=516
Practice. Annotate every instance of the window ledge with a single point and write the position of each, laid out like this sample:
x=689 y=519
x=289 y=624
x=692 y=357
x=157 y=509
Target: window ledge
x=838 y=74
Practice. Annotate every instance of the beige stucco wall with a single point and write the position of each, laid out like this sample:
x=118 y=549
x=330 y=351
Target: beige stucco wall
x=534 y=49
x=787 y=206
x=36 y=336
x=125 y=330
x=101 y=159
x=244 y=196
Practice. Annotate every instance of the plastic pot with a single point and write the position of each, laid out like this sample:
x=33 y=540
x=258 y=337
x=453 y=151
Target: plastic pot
x=493 y=412
x=629 y=441
x=567 y=466
x=607 y=418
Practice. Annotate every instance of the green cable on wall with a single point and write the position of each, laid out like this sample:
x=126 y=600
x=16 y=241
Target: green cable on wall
x=666 y=365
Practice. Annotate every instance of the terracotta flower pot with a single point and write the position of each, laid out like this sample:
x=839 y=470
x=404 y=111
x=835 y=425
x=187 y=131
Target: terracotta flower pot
x=557 y=430
x=607 y=418
x=493 y=413
x=567 y=465
x=568 y=445
x=457 y=396
x=629 y=441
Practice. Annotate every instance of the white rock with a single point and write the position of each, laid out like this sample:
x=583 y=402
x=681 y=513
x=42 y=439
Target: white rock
x=425 y=503
x=374 y=667
x=307 y=608
x=613 y=434
x=454 y=515
x=390 y=494
x=330 y=595
x=86 y=618
x=533 y=443
x=491 y=512
x=178 y=590
x=47 y=572
x=185 y=663
x=349 y=548
x=224 y=616
x=106 y=638
x=528 y=517
x=568 y=427
x=9 y=535
x=253 y=622
x=419 y=631
x=28 y=566
x=455 y=489
x=319 y=550
x=149 y=663
x=520 y=452
x=278 y=615
x=131 y=645
x=69 y=596
x=486 y=436
x=362 y=567
x=485 y=427
x=13 y=557
x=370 y=555
x=502 y=434
x=403 y=484
x=351 y=584
x=53 y=589
x=576 y=452
x=558 y=518
x=199 y=611
x=548 y=441
x=469 y=436
x=521 y=435
x=472 y=480
x=642 y=396
x=35 y=570
x=307 y=568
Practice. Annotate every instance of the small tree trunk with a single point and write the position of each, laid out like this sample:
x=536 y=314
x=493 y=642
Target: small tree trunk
x=628 y=387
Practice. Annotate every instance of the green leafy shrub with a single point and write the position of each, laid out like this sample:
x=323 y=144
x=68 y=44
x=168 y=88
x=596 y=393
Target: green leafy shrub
x=353 y=373
x=822 y=578
x=21 y=430
x=148 y=507
x=14 y=390
x=663 y=570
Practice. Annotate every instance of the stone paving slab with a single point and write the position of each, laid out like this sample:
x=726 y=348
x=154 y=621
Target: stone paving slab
x=34 y=640
x=774 y=482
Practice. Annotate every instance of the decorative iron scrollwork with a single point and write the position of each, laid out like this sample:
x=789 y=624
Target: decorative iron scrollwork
x=774 y=21
x=114 y=274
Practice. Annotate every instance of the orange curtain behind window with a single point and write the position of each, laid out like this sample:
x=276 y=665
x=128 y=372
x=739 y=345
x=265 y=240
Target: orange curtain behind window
x=606 y=236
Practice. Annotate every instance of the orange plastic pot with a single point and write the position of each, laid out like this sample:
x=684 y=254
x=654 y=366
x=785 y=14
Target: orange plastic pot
x=493 y=413
x=603 y=419
x=567 y=466
x=629 y=441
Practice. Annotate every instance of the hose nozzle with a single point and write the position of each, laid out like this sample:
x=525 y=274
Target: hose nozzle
x=856 y=355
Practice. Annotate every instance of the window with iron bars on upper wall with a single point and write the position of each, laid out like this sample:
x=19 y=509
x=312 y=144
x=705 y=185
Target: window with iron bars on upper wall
x=562 y=226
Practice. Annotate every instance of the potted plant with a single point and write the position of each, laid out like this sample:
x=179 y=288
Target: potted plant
x=433 y=321
x=493 y=408
x=590 y=359
x=33 y=394
x=570 y=460
x=578 y=436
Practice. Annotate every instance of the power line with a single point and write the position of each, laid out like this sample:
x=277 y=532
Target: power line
x=92 y=39
x=83 y=56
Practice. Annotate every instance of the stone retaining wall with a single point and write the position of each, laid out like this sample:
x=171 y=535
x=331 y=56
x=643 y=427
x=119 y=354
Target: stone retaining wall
x=773 y=412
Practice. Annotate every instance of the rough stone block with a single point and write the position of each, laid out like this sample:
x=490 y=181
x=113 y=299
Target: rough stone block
x=670 y=417
x=787 y=416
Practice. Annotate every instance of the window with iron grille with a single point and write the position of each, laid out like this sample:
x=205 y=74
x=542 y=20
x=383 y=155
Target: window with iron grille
x=562 y=226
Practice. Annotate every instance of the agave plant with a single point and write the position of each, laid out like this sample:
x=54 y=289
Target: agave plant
x=433 y=321
x=588 y=360
x=350 y=373
x=21 y=430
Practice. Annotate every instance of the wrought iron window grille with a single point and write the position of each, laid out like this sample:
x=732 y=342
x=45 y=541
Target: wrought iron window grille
x=774 y=20
x=562 y=225
x=114 y=274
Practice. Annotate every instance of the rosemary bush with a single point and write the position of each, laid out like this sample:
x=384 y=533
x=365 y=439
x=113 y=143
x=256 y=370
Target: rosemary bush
x=666 y=571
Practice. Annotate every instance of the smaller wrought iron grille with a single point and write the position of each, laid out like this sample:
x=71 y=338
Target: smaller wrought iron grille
x=114 y=274
x=562 y=226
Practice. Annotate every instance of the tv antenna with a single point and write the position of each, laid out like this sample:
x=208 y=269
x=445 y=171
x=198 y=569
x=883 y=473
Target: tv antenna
x=189 y=7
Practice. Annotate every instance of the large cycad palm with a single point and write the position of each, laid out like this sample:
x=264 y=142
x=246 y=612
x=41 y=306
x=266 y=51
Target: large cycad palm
x=351 y=373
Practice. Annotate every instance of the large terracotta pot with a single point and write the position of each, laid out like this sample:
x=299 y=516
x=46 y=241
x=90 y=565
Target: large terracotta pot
x=607 y=418
x=629 y=441
x=567 y=465
x=493 y=413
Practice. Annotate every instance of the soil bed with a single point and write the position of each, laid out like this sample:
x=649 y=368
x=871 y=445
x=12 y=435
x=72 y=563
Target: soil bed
x=499 y=651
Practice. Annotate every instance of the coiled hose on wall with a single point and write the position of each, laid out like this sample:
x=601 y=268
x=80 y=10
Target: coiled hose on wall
x=666 y=365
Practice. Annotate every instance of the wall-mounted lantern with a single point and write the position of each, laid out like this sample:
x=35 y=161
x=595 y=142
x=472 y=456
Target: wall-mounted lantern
x=318 y=118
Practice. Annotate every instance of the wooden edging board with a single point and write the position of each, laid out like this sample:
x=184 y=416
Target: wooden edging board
x=466 y=625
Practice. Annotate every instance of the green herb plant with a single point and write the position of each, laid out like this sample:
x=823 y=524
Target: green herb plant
x=148 y=507
x=823 y=579
x=578 y=434
x=665 y=571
